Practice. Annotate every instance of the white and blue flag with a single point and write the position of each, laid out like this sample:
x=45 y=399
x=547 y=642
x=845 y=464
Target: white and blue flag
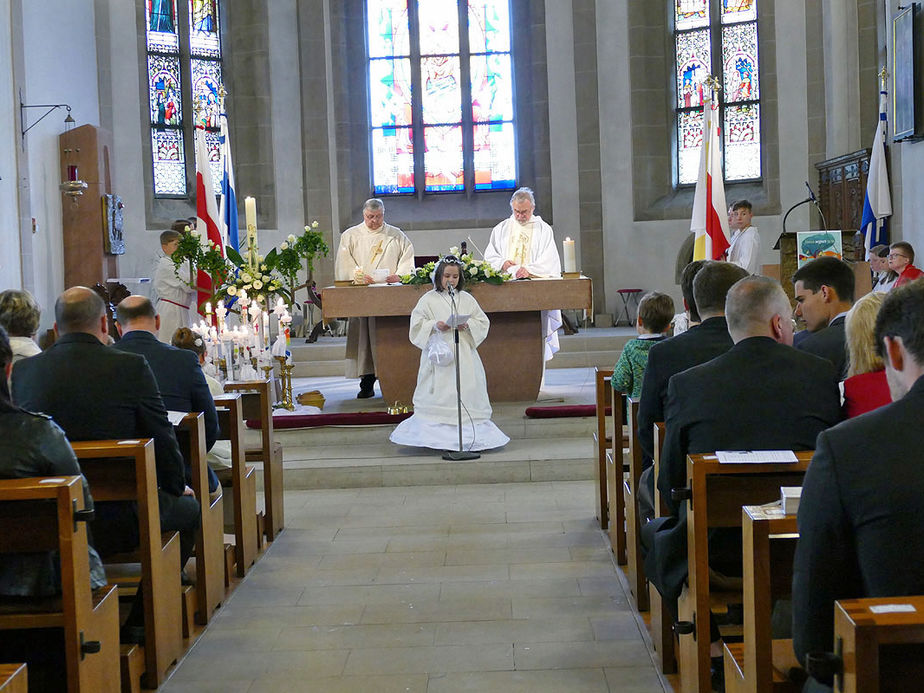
x=878 y=203
x=228 y=211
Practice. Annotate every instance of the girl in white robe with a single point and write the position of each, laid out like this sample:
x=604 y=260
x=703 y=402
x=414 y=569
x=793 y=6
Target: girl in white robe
x=434 y=423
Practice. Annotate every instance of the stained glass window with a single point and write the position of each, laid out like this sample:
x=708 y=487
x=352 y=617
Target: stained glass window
x=458 y=133
x=703 y=28
x=169 y=69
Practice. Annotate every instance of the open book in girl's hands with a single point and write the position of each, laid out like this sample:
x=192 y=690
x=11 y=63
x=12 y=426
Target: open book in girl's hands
x=457 y=320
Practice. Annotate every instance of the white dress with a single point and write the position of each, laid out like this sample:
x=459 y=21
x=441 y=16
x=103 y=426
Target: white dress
x=434 y=423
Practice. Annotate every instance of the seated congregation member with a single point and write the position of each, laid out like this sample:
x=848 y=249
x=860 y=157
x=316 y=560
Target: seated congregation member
x=34 y=445
x=861 y=530
x=710 y=283
x=97 y=393
x=19 y=316
x=883 y=277
x=179 y=378
x=901 y=261
x=760 y=395
x=824 y=293
x=655 y=311
x=434 y=423
x=689 y=317
x=865 y=388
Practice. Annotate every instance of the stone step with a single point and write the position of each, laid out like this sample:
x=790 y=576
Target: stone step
x=584 y=359
x=318 y=369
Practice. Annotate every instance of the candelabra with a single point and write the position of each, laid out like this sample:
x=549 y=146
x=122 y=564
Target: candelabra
x=285 y=376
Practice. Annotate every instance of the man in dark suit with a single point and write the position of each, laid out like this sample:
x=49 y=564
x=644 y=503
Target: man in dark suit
x=179 y=378
x=861 y=530
x=760 y=395
x=710 y=282
x=824 y=291
x=97 y=393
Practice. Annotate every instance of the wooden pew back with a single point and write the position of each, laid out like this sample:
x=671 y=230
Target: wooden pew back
x=615 y=473
x=602 y=398
x=662 y=631
x=638 y=586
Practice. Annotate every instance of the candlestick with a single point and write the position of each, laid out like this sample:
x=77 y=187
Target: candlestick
x=250 y=214
x=266 y=336
x=570 y=260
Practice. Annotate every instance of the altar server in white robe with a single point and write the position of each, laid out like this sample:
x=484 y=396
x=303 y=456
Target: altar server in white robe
x=176 y=300
x=524 y=245
x=434 y=423
x=364 y=248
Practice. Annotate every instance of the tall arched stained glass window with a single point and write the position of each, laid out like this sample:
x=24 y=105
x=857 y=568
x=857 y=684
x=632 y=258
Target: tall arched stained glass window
x=184 y=82
x=717 y=37
x=440 y=95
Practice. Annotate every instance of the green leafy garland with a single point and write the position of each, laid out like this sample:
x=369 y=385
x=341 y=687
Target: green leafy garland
x=474 y=271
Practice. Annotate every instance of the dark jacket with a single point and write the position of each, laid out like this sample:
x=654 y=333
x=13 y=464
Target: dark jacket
x=179 y=378
x=829 y=343
x=695 y=346
x=861 y=530
x=760 y=395
x=97 y=393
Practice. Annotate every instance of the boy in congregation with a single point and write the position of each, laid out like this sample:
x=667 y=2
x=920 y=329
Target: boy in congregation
x=655 y=312
x=861 y=531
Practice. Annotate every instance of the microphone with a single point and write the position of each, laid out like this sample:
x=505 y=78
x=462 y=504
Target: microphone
x=811 y=193
x=451 y=289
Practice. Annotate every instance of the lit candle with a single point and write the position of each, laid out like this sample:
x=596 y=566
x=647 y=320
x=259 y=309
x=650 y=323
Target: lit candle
x=570 y=261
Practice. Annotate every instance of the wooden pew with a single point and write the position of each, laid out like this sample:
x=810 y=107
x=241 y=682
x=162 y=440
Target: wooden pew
x=661 y=625
x=257 y=404
x=879 y=651
x=210 y=539
x=243 y=482
x=124 y=471
x=760 y=664
x=638 y=584
x=603 y=397
x=715 y=495
x=615 y=471
x=13 y=678
x=45 y=514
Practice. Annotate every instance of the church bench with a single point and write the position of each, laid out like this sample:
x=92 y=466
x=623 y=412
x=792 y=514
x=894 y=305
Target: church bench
x=13 y=678
x=638 y=587
x=661 y=625
x=615 y=471
x=256 y=400
x=45 y=514
x=714 y=496
x=760 y=664
x=243 y=480
x=873 y=651
x=603 y=396
x=124 y=471
x=210 y=566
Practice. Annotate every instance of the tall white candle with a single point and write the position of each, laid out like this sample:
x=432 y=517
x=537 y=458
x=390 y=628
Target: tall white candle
x=250 y=213
x=570 y=260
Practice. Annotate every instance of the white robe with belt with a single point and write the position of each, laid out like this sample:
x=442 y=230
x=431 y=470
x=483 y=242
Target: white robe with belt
x=532 y=246
x=172 y=294
x=385 y=248
x=435 y=420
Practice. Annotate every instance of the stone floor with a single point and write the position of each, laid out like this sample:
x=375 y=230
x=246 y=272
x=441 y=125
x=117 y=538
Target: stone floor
x=488 y=587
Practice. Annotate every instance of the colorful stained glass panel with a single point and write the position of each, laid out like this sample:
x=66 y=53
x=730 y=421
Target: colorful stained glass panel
x=739 y=60
x=742 y=142
x=488 y=26
x=739 y=10
x=169 y=162
x=164 y=89
x=161 y=25
x=492 y=87
x=392 y=161
x=689 y=145
x=204 y=33
x=694 y=60
x=213 y=146
x=439 y=26
x=386 y=28
x=495 y=156
x=691 y=14
x=390 y=92
x=206 y=83
x=441 y=86
x=443 y=166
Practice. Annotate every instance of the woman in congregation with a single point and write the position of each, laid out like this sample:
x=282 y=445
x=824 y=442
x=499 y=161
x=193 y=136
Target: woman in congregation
x=19 y=316
x=865 y=388
x=434 y=423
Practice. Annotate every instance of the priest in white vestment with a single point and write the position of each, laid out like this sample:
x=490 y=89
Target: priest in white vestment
x=176 y=300
x=524 y=245
x=364 y=248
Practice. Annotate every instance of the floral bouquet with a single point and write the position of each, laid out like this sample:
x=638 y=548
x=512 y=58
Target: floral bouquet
x=202 y=254
x=474 y=271
x=287 y=259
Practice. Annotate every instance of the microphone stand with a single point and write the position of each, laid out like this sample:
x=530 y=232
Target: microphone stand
x=459 y=454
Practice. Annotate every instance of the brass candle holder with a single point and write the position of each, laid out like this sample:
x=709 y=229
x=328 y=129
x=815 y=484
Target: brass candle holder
x=285 y=375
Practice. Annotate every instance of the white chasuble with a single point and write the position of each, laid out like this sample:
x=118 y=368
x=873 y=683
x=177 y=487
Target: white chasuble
x=176 y=302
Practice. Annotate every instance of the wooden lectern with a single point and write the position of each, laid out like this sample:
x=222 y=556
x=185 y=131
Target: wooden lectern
x=789 y=262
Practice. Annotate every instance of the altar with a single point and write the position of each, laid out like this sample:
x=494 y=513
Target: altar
x=512 y=353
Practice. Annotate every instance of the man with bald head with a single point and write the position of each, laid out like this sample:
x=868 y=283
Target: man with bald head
x=179 y=378
x=97 y=393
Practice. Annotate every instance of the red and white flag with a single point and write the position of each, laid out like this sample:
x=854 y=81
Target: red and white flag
x=206 y=211
x=710 y=216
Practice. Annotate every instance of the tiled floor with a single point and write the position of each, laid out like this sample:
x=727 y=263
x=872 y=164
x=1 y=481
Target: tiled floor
x=438 y=589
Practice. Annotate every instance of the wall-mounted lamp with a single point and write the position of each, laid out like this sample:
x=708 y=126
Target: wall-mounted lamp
x=73 y=187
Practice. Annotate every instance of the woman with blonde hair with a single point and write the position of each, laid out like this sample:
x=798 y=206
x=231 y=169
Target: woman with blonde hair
x=865 y=388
